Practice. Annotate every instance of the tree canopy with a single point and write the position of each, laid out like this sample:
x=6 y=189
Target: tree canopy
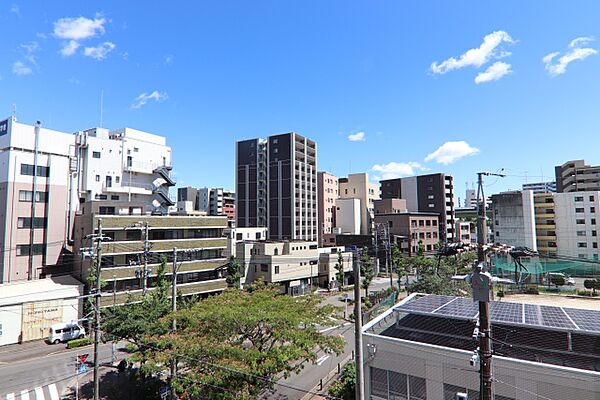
x=234 y=345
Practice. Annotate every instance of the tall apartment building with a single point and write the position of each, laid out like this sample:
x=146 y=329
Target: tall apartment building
x=577 y=176
x=357 y=186
x=433 y=193
x=540 y=187
x=564 y=224
x=514 y=219
x=327 y=194
x=276 y=186
x=212 y=201
x=470 y=198
x=200 y=253
x=36 y=201
x=115 y=172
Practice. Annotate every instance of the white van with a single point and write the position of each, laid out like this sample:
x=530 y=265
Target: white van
x=65 y=331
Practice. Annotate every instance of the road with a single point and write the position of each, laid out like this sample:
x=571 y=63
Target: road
x=23 y=368
x=296 y=386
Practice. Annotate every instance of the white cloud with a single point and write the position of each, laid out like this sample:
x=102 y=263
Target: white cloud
x=29 y=50
x=575 y=52
x=489 y=49
x=70 y=48
x=357 y=137
x=450 y=152
x=393 y=170
x=144 y=98
x=581 y=41
x=169 y=59
x=78 y=28
x=19 y=68
x=15 y=10
x=99 y=52
x=74 y=30
x=494 y=72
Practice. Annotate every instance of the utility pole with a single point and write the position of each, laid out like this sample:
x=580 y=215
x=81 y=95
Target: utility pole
x=358 y=348
x=388 y=254
x=97 y=310
x=174 y=322
x=146 y=251
x=482 y=293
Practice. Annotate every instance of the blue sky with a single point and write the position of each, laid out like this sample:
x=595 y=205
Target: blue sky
x=206 y=74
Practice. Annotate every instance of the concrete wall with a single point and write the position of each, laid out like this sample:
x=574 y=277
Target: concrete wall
x=348 y=216
x=571 y=236
x=514 y=219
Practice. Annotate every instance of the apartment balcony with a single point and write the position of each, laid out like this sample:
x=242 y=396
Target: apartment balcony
x=186 y=289
x=543 y=204
x=130 y=247
x=120 y=222
x=128 y=272
x=545 y=226
x=545 y=215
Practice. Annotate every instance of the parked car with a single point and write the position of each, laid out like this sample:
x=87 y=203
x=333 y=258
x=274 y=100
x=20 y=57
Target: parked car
x=65 y=331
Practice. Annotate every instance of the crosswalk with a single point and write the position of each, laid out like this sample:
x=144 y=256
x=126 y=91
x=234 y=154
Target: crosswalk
x=49 y=392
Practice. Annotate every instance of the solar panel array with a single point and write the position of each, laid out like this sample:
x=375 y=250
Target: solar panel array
x=506 y=312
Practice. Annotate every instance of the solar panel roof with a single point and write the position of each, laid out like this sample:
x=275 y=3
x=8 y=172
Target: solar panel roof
x=551 y=317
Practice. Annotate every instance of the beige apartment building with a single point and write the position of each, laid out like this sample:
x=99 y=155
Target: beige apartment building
x=327 y=194
x=357 y=186
x=200 y=248
x=296 y=266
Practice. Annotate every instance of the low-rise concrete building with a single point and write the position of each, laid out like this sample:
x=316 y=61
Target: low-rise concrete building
x=29 y=308
x=296 y=266
x=463 y=232
x=199 y=241
x=236 y=235
x=421 y=349
x=514 y=219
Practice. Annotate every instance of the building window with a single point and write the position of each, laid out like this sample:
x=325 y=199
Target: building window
x=27 y=196
x=428 y=223
x=431 y=205
x=106 y=211
x=391 y=224
x=579 y=210
x=421 y=222
x=595 y=245
x=277 y=269
x=578 y=198
x=592 y=209
x=580 y=221
x=594 y=233
x=108 y=181
x=581 y=244
x=581 y=233
x=430 y=197
x=95 y=154
x=591 y=198
x=27 y=169
x=593 y=221
x=114 y=197
x=37 y=249
x=129 y=161
x=25 y=223
x=97 y=178
x=117 y=179
x=264 y=268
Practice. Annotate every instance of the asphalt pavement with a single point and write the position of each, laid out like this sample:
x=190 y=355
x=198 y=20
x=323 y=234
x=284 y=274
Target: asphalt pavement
x=39 y=371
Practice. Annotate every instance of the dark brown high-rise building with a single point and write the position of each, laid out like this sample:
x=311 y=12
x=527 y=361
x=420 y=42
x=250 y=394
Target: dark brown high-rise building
x=433 y=193
x=276 y=185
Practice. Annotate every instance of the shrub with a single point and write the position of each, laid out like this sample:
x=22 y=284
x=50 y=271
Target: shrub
x=73 y=344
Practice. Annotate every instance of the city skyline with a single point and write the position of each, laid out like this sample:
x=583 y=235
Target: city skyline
x=381 y=98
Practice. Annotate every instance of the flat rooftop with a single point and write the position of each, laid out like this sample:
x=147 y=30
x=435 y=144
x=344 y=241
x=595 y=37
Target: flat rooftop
x=568 y=337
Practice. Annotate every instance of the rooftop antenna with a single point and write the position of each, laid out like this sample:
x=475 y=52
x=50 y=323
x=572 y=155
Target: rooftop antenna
x=14 y=110
x=101 y=106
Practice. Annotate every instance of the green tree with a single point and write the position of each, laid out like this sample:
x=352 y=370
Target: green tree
x=339 y=267
x=345 y=387
x=558 y=280
x=135 y=320
x=434 y=280
x=592 y=284
x=366 y=270
x=234 y=275
x=235 y=345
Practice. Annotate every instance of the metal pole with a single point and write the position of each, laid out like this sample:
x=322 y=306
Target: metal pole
x=146 y=250
x=174 y=322
x=97 y=309
x=33 y=201
x=360 y=376
x=77 y=386
x=388 y=254
x=485 y=345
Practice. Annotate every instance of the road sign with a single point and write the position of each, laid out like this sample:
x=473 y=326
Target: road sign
x=163 y=392
x=82 y=369
x=82 y=357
